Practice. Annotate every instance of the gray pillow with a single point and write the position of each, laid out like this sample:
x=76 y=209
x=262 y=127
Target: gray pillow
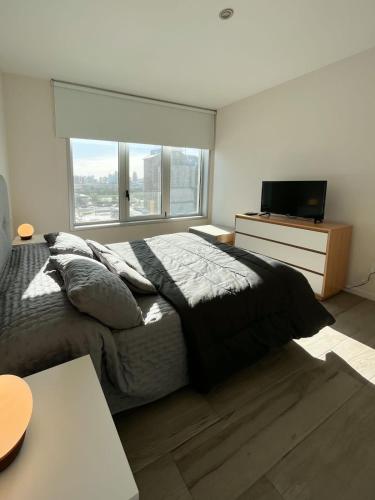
x=94 y=290
x=60 y=243
x=135 y=281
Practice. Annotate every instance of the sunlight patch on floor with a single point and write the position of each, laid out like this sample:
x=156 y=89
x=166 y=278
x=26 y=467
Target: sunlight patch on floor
x=360 y=357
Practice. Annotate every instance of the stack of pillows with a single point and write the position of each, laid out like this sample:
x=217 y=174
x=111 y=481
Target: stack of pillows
x=97 y=281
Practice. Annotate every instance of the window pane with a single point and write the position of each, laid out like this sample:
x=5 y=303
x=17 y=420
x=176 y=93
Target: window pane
x=95 y=172
x=185 y=181
x=144 y=180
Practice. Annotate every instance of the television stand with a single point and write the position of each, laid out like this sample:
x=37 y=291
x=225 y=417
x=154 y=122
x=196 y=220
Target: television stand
x=319 y=251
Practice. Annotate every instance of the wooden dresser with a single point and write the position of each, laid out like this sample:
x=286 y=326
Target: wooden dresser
x=319 y=251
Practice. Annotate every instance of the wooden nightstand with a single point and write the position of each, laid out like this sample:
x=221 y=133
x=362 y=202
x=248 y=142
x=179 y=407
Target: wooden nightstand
x=37 y=238
x=71 y=449
x=213 y=233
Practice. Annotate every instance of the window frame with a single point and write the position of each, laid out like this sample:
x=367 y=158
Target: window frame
x=123 y=186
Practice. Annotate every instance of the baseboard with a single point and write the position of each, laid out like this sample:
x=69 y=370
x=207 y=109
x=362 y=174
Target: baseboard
x=362 y=293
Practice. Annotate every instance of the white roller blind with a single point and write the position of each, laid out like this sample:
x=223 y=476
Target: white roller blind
x=88 y=113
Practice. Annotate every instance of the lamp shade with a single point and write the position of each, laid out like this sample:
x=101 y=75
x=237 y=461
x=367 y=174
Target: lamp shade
x=16 y=404
x=25 y=231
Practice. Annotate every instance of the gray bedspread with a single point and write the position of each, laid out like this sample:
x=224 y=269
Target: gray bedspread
x=39 y=328
x=232 y=303
x=153 y=356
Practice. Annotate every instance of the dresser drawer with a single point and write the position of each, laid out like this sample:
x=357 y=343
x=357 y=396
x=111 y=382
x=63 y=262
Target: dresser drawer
x=314 y=240
x=315 y=280
x=312 y=261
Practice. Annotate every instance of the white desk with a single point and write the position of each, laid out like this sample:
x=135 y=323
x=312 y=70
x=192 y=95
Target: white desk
x=71 y=450
x=37 y=238
x=214 y=233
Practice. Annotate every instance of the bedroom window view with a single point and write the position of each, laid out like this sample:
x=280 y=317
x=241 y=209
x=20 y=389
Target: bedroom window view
x=96 y=187
x=119 y=182
x=187 y=250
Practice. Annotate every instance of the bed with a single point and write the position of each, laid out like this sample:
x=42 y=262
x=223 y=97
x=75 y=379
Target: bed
x=218 y=308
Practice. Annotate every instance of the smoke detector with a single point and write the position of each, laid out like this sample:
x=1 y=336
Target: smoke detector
x=226 y=13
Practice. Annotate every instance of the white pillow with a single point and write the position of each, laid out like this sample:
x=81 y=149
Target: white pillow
x=135 y=281
x=61 y=243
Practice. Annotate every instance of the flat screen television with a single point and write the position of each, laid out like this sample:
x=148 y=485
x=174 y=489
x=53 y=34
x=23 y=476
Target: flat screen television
x=294 y=198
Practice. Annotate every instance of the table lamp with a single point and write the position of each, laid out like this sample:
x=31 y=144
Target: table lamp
x=25 y=231
x=16 y=405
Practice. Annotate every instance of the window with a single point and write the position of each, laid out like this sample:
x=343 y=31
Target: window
x=119 y=182
x=185 y=181
x=144 y=180
x=95 y=181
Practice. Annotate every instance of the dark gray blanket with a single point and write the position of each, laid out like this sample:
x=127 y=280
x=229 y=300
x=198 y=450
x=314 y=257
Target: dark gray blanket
x=234 y=305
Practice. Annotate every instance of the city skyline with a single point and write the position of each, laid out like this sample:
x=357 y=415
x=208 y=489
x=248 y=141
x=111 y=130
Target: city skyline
x=94 y=158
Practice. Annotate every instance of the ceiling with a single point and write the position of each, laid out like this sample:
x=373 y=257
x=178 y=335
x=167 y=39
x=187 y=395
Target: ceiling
x=180 y=50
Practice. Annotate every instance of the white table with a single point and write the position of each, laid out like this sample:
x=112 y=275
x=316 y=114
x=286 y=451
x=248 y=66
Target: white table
x=214 y=233
x=36 y=238
x=71 y=450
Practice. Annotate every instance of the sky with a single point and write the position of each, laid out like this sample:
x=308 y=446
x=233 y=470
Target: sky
x=99 y=158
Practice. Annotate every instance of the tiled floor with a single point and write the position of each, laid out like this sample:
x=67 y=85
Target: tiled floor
x=298 y=425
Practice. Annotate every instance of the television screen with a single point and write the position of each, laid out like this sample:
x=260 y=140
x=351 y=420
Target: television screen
x=295 y=198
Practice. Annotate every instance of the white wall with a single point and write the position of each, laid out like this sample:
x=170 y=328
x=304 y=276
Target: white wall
x=38 y=166
x=3 y=149
x=319 y=126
